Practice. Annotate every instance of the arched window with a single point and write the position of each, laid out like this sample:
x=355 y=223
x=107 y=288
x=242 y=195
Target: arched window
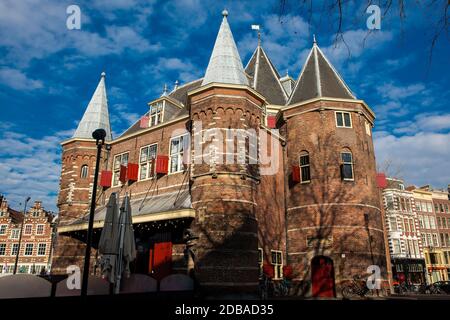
x=84 y=171
x=347 y=165
x=305 y=169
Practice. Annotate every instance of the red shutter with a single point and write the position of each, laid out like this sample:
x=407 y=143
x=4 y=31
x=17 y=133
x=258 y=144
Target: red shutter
x=287 y=272
x=381 y=180
x=271 y=122
x=162 y=164
x=123 y=174
x=162 y=260
x=144 y=122
x=105 y=179
x=132 y=171
x=295 y=173
x=268 y=270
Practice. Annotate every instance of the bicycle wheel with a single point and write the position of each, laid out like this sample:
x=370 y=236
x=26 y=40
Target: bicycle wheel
x=347 y=292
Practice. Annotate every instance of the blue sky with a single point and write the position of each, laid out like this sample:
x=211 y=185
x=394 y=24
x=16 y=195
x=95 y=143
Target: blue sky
x=48 y=74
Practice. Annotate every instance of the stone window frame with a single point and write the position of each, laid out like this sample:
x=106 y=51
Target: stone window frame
x=342 y=114
x=116 y=171
x=277 y=263
x=306 y=166
x=2 y=249
x=148 y=163
x=84 y=171
x=346 y=163
x=3 y=228
x=392 y=220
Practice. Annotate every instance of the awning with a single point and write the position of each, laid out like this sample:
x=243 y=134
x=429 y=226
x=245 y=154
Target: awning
x=174 y=205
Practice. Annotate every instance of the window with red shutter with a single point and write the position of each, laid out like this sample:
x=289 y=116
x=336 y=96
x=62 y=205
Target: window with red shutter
x=132 y=172
x=123 y=174
x=271 y=122
x=295 y=173
x=105 y=179
x=162 y=164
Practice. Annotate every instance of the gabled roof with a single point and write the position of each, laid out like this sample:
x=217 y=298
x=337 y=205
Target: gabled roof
x=225 y=65
x=265 y=77
x=319 y=79
x=96 y=115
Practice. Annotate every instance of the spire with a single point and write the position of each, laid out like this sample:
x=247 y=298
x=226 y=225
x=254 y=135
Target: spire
x=96 y=115
x=319 y=79
x=164 y=90
x=225 y=65
x=266 y=79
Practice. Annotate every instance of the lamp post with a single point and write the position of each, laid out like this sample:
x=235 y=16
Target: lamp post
x=20 y=235
x=99 y=136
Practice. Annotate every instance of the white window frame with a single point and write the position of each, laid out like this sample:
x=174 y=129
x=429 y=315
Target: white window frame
x=43 y=229
x=27 y=245
x=343 y=119
x=3 y=228
x=84 y=171
x=116 y=172
x=158 y=116
x=148 y=163
x=346 y=163
x=3 y=246
x=17 y=231
x=25 y=229
x=396 y=244
x=308 y=165
x=277 y=265
x=14 y=249
x=39 y=248
x=391 y=221
x=179 y=154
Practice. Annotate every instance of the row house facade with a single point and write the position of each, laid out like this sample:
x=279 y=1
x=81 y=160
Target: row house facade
x=404 y=234
x=34 y=231
x=313 y=215
x=434 y=217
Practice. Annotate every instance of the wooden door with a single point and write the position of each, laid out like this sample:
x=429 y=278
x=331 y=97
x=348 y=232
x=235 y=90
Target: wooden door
x=322 y=277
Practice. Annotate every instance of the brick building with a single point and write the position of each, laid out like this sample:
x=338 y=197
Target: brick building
x=311 y=213
x=404 y=233
x=433 y=211
x=36 y=243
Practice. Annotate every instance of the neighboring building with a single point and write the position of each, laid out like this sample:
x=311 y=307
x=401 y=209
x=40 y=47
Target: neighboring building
x=433 y=219
x=402 y=227
x=36 y=242
x=317 y=213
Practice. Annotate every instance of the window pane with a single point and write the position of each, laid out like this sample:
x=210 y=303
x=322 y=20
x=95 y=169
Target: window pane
x=144 y=154
x=347 y=119
x=306 y=176
x=346 y=157
x=340 y=122
x=347 y=171
x=304 y=160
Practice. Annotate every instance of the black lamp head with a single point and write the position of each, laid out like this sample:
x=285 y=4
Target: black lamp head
x=99 y=134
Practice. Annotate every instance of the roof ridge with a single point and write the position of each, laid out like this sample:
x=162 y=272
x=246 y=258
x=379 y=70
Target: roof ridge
x=274 y=72
x=299 y=77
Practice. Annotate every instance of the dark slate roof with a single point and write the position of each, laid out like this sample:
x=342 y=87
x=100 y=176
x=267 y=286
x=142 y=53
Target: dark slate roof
x=319 y=79
x=180 y=94
x=267 y=78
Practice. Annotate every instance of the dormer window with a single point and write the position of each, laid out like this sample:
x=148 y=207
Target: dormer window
x=156 y=113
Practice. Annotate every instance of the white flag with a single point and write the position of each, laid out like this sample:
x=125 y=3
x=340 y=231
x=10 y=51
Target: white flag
x=255 y=26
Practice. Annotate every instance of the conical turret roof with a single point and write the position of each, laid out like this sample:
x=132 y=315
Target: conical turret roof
x=96 y=115
x=319 y=79
x=225 y=65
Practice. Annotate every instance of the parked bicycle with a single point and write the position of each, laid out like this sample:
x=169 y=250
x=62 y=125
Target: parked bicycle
x=356 y=288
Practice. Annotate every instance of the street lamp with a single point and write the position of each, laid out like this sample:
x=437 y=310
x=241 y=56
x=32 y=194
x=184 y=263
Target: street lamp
x=20 y=235
x=99 y=136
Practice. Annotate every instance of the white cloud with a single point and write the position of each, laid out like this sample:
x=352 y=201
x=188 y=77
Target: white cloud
x=394 y=92
x=31 y=167
x=36 y=29
x=18 y=80
x=422 y=157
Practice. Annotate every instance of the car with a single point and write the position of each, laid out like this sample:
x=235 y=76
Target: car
x=444 y=286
